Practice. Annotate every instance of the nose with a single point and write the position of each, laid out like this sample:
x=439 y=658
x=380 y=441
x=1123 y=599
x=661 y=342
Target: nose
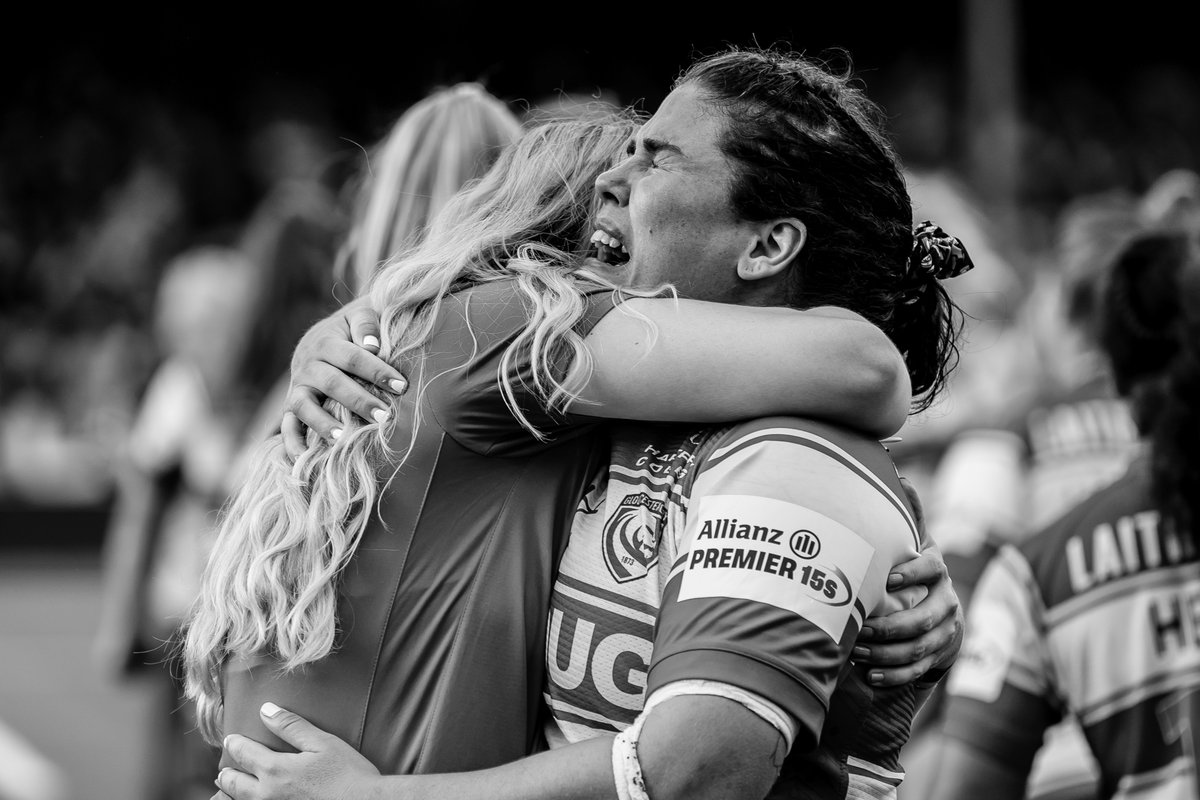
x=612 y=186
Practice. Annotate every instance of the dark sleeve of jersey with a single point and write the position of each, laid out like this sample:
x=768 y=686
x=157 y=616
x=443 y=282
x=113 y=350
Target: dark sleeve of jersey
x=723 y=640
x=1011 y=727
x=463 y=363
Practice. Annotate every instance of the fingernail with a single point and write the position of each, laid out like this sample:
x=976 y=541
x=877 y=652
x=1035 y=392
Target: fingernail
x=269 y=709
x=335 y=433
x=862 y=652
x=380 y=415
x=875 y=677
x=370 y=341
x=868 y=632
x=398 y=386
x=225 y=742
x=894 y=580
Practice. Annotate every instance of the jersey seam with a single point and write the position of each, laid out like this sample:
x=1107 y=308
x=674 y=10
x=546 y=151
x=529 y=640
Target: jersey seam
x=395 y=591
x=467 y=606
x=795 y=678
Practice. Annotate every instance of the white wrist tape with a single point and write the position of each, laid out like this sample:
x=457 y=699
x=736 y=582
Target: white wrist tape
x=627 y=770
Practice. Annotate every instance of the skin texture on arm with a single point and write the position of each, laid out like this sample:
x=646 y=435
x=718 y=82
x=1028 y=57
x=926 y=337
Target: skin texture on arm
x=711 y=362
x=657 y=359
x=699 y=748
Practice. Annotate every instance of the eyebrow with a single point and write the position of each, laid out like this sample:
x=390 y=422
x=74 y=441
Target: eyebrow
x=658 y=146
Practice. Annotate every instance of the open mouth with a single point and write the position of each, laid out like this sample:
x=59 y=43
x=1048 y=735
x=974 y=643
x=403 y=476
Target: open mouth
x=609 y=249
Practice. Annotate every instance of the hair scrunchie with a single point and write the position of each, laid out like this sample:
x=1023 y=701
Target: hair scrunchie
x=936 y=255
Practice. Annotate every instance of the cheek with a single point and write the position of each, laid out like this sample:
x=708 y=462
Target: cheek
x=682 y=220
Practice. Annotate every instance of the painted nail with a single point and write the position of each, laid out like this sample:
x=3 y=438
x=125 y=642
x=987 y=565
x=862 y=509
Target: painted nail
x=894 y=580
x=398 y=386
x=875 y=677
x=868 y=632
x=862 y=652
x=335 y=433
x=269 y=709
x=370 y=341
x=380 y=415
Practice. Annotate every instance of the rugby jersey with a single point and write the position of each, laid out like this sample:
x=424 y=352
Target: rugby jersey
x=1067 y=446
x=1077 y=443
x=438 y=661
x=1095 y=618
x=748 y=555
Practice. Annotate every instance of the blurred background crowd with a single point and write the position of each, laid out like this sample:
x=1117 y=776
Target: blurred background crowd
x=179 y=192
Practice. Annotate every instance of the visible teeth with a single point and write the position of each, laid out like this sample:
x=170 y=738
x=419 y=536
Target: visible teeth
x=600 y=237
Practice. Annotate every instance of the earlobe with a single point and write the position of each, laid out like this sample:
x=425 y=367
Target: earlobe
x=774 y=248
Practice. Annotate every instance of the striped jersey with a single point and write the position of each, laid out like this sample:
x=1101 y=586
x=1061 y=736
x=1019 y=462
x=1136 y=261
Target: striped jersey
x=748 y=555
x=1077 y=443
x=1096 y=618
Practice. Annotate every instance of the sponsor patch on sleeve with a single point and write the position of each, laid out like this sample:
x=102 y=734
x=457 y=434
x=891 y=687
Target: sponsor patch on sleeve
x=774 y=552
x=987 y=650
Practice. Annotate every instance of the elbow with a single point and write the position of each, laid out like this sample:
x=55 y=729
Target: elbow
x=713 y=779
x=734 y=758
x=879 y=390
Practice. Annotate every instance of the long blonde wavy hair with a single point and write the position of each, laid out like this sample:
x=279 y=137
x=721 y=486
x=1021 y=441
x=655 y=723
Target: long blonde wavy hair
x=446 y=139
x=270 y=586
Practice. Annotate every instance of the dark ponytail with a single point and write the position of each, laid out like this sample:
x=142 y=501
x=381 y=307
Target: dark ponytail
x=927 y=324
x=1150 y=330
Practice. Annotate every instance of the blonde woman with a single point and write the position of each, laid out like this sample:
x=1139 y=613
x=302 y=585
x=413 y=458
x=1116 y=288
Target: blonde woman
x=393 y=586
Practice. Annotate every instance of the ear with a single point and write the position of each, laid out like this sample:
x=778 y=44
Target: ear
x=774 y=246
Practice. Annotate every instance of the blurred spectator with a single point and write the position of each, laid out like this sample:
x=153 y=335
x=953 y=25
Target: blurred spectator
x=76 y=361
x=109 y=185
x=1084 y=620
x=1066 y=431
x=170 y=483
x=226 y=319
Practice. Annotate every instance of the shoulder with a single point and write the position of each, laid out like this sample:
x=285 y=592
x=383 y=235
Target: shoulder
x=807 y=441
x=835 y=471
x=504 y=307
x=1082 y=548
x=1109 y=502
x=495 y=304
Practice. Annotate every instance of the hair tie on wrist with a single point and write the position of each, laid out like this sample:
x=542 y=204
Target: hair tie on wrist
x=935 y=255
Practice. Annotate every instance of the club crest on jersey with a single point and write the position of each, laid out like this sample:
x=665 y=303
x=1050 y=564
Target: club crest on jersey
x=631 y=536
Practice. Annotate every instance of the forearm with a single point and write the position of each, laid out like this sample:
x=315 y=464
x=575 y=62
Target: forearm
x=580 y=772
x=710 y=362
x=871 y=391
x=690 y=748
